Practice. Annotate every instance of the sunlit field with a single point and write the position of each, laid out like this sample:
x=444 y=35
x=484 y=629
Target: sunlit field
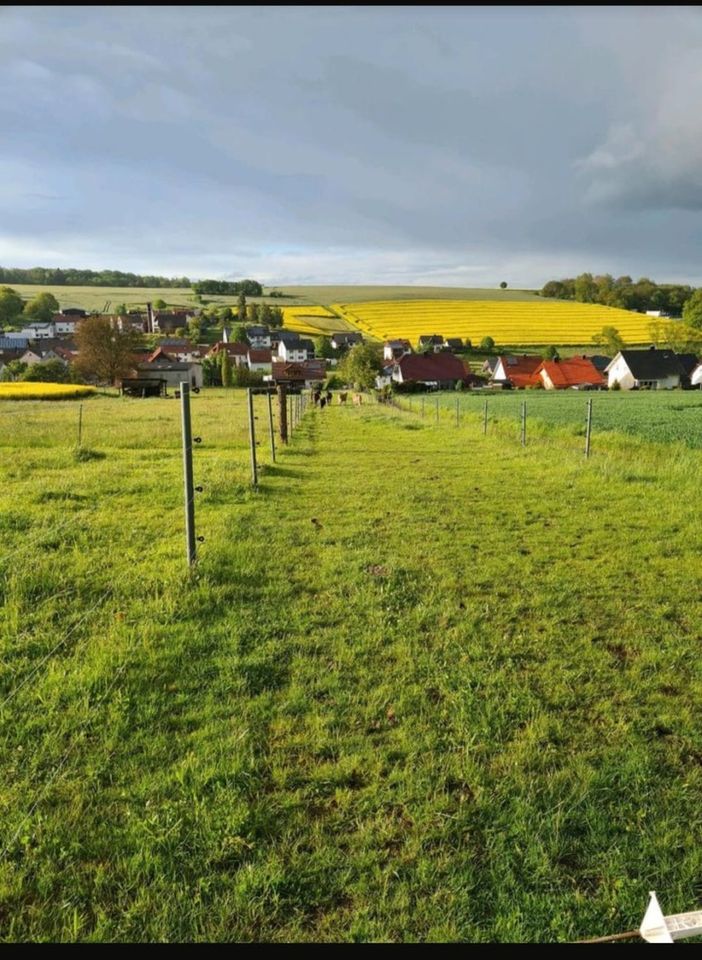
x=423 y=684
x=523 y=323
x=44 y=391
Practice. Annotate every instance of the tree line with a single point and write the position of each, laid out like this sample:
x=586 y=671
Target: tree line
x=251 y=288
x=58 y=277
x=623 y=292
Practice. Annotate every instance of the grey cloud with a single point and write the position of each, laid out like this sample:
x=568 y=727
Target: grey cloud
x=364 y=139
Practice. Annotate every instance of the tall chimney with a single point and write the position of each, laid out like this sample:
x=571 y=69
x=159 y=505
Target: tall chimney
x=150 y=321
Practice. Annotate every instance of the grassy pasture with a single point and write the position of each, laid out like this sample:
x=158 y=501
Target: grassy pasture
x=352 y=293
x=465 y=704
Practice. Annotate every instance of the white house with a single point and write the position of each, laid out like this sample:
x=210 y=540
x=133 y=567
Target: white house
x=260 y=361
x=259 y=337
x=65 y=325
x=650 y=369
x=37 y=331
x=394 y=349
x=696 y=376
x=295 y=352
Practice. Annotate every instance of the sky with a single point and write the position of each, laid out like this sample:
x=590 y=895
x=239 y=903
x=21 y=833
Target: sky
x=458 y=146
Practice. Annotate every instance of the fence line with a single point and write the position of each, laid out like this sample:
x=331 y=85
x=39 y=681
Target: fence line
x=407 y=405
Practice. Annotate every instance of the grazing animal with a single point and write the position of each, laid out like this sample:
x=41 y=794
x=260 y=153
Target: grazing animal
x=357 y=399
x=323 y=403
x=342 y=397
x=316 y=397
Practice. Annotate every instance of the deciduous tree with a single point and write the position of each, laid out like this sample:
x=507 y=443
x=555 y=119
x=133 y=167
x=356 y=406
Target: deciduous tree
x=42 y=307
x=692 y=311
x=105 y=353
x=361 y=365
x=11 y=305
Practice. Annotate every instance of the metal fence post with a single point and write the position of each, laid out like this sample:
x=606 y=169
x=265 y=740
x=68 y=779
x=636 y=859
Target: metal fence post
x=80 y=425
x=422 y=408
x=523 y=423
x=437 y=409
x=485 y=418
x=252 y=440
x=189 y=490
x=588 y=428
x=458 y=414
x=270 y=425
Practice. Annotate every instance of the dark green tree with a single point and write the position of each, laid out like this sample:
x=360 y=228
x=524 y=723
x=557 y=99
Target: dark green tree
x=226 y=370
x=241 y=307
x=11 y=305
x=47 y=371
x=692 y=311
x=42 y=307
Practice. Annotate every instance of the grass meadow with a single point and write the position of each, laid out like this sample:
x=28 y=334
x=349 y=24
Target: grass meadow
x=463 y=704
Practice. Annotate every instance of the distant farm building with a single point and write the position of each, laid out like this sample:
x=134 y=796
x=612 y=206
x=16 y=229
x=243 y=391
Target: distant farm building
x=302 y=374
x=439 y=370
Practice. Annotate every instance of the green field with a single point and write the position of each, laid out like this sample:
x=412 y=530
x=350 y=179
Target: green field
x=464 y=704
x=96 y=298
x=674 y=416
x=353 y=293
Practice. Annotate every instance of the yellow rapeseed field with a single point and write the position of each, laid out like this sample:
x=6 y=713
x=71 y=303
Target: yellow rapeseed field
x=508 y=323
x=44 y=391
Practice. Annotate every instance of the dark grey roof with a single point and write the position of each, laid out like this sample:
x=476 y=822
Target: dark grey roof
x=434 y=338
x=347 y=337
x=286 y=336
x=454 y=341
x=306 y=345
x=657 y=364
x=163 y=366
x=599 y=362
x=257 y=331
x=14 y=343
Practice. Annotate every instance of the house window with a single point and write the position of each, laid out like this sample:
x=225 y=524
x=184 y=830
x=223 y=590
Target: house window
x=648 y=384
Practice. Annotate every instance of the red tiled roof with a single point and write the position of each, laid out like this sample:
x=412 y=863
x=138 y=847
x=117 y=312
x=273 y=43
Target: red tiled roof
x=433 y=366
x=303 y=370
x=520 y=370
x=159 y=354
x=260 y=356
x=572 y=372
x=233 y=349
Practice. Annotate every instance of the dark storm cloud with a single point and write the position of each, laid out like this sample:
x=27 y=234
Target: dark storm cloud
x=348 y=143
